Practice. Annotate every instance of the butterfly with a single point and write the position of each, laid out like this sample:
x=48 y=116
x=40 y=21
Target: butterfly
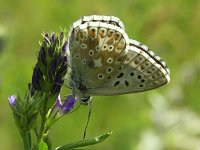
x=104 y=61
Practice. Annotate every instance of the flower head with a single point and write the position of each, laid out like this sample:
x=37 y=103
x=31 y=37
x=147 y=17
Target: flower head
x=51 y=68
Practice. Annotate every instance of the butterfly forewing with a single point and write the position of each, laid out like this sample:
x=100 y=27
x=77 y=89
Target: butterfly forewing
x=105 y=62
x=94 y=46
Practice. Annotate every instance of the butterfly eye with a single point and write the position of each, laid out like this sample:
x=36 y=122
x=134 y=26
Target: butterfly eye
x=97 y=48
x=105 y=46
x=76 y=56
x=100 y=76
x=110 y=48
x=109 y=70
x=102 y=32
x=84 y=61
x=110 y=60
x=110 y=33
x=117 y=36
x=93 y=32
x=91 y=52
x=83 y=46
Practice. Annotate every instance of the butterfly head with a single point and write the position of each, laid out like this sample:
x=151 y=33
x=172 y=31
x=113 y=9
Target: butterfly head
x=84 y=99
x=79 y=91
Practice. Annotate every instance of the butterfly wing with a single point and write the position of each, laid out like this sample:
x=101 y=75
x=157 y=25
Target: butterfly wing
x=140 y=71
x=105 y=62
x=94 y=46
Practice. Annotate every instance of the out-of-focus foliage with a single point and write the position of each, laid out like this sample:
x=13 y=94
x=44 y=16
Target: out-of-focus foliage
x=166 y=118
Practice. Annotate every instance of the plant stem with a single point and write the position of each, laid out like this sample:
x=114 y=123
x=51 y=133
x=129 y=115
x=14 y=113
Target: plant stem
x=43 y=121
x=42 y=128
x=26 y=140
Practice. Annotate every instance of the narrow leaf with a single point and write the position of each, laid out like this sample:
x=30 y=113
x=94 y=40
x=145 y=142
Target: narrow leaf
x=83 y=143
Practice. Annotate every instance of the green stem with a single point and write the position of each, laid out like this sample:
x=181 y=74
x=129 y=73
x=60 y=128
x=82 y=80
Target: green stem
x=43 y=121
x=42 y=128
x=26 y=140
x=43 y=134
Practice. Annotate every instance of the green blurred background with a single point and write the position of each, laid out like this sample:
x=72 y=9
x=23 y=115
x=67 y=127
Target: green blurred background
x=164 y=119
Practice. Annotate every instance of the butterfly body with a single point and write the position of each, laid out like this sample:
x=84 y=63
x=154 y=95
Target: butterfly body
x=104 y=61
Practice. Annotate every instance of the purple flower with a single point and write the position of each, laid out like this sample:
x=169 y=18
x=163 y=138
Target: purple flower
x=57 y=85
x=64 y=47
x=65 y=59
x=68 y=104
x=53 y=38
x=12 y=100
x=60 y=109
x=58 y=105
x=52 y=68
x=36 y=77
x=51 y=52
x=59 y=59
x=64 y=108
x=42 y=55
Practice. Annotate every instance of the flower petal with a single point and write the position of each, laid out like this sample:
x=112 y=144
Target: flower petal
x=69 y=104
x=58 y=105
x=64 y=47
x=36 y=77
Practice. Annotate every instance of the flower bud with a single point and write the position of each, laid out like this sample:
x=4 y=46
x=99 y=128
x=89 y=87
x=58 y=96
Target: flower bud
x=12 y=100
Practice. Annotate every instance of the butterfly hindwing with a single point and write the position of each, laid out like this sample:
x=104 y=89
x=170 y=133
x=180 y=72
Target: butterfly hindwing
x=140 y=71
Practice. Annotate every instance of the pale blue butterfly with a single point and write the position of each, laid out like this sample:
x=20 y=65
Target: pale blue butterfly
x=104 y=61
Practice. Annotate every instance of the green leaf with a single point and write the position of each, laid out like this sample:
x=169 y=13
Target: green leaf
x=43 y=146
x=83 y=143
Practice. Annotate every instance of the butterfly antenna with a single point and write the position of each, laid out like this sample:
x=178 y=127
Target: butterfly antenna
x=88 y=119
